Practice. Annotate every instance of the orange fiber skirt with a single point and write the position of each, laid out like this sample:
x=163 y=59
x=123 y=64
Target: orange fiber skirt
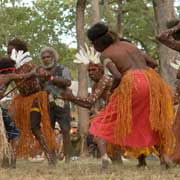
x=176 y=154
x=19 y=109
x=128 y=120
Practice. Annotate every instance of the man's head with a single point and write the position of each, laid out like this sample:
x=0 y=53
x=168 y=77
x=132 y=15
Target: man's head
x=101 y=37
x=95 y=71
x=49 y=57
x=16 y=44
x=7 y=65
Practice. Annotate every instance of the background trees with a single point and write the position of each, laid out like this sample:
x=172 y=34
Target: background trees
x=60 y=23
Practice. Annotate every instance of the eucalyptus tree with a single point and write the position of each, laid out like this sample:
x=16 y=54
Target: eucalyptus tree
x=164 y=11
x=82 y=72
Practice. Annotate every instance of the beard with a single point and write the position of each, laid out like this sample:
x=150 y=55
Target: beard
x=50 y=65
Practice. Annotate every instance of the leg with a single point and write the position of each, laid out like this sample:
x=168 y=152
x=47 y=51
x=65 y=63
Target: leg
x=66 y=143
x=35 y=119
x=14 y=144
x=102 y=148
x=162 y=157
x=13 y=134
x=142 y=161
x=62 y=116
x=51 y=107
x=101 y=145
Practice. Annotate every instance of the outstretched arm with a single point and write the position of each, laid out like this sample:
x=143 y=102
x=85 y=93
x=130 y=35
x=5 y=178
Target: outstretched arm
x=90 y=100
x=149 y=61
x=5 y=79
x=167 y=38
x=62 y=81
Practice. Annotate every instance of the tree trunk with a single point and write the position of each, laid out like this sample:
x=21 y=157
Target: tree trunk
x=95 y=11
x=119 y=18
x=82 y=74
x=164 y=11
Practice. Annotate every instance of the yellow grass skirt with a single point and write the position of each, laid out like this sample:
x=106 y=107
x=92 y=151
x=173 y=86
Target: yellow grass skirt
x=19 y=109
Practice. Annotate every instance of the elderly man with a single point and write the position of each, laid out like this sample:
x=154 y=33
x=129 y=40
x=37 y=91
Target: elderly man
x=59 y=80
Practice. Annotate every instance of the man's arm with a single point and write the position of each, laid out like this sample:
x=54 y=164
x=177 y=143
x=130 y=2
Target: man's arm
x=149 y=61
x=60 y=82
x=114 y=71
x=167 y=38
x=91 y=99
x=64 y=81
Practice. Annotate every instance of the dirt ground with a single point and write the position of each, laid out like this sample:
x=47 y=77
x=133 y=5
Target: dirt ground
x=88 y=169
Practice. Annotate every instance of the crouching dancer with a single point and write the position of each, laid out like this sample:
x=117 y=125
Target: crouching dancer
x=139 y=113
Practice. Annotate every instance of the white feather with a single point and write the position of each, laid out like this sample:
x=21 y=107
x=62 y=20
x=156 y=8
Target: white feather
x=87 y=55
x=13 y=54
x=20 y=57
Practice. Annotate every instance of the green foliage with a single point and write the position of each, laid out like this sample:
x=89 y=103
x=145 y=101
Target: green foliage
x=139 y=25
x=137 y=22
x=40 y=25
x=46 y=21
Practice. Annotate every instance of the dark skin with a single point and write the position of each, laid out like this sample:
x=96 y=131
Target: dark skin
x=5 y=79
x=47 y=58
x=167 y=39
x=125 y=56
x=98 y=90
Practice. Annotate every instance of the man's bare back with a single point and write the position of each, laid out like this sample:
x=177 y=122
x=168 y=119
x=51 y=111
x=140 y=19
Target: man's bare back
x=125 y=56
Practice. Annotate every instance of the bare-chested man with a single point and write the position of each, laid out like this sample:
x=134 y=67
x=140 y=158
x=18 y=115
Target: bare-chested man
x=139 y=114
x=101 y=88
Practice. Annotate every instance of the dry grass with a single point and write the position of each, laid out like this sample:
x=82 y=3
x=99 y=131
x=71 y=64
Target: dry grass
x=88 y=169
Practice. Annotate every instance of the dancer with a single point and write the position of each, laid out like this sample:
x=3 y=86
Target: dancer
x=140 y=110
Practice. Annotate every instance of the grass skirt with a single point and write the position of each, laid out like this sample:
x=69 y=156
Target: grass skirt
x=20 y=111
x=139 y=113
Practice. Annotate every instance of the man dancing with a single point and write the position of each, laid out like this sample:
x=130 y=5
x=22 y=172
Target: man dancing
x=29 y=109
x=140 y=110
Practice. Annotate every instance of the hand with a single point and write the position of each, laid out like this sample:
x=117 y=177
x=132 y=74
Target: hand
x=67 y=95
x=42 y=73
x=163 y=35
x=4 y=80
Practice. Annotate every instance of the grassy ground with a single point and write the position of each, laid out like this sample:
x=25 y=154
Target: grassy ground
x=88 y=169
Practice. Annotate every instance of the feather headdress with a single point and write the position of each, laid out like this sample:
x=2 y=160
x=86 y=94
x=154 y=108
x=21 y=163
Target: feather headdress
x=87 y=55
x=20 y=57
